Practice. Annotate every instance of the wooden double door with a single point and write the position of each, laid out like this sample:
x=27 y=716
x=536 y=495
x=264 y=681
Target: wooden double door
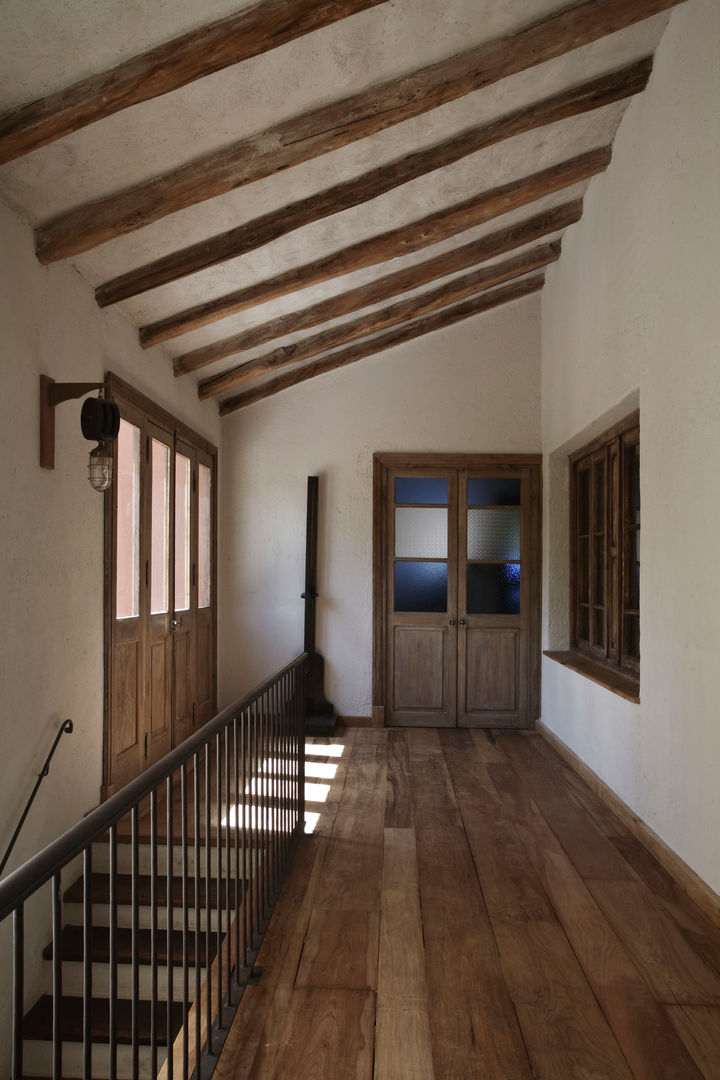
x=461 y=591
x=160 y=595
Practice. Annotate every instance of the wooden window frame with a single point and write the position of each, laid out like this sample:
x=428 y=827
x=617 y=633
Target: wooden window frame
x=608 y=525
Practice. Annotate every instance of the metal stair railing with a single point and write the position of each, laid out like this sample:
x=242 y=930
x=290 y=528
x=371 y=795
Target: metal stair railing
x=232 y=802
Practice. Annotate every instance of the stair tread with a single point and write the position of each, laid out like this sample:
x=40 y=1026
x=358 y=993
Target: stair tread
x=72 y=945
x=38 y=1022
x=100 y=890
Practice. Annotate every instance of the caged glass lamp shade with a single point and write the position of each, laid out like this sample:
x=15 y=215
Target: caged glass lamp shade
x=100 y=467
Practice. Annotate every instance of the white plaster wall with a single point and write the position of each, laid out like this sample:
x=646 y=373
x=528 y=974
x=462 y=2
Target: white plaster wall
x=631 y=311
x=51 y=539
x=473 y=388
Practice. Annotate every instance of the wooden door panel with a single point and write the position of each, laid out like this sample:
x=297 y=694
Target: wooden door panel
x=204 y=688
x=420 y=668
x=184 y=682
x=491 y=671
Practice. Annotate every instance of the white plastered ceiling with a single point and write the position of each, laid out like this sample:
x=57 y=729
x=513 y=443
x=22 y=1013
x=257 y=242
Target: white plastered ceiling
x=47 y=47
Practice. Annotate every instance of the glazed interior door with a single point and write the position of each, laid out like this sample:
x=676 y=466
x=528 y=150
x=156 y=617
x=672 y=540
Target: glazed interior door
x=159 y=699
x=458 y=593
x=184 y=594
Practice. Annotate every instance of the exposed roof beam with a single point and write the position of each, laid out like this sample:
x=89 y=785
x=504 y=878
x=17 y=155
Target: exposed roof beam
x=383 y=288
x=370 y=346
x=390 y=245
x=167 y=67
x=331 y=126
x=451 y=292
x=253 y=234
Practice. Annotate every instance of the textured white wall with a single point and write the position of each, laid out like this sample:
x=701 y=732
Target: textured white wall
x=51 y=540
x=473 y=388
x=632 y=310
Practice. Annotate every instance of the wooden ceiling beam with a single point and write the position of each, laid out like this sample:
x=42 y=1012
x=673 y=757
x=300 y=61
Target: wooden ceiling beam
x=331 y=126
x=451 y=292
x=167 y=67
x=383 y=288
x=254 y=234
x=398 y=336
x=405 y=240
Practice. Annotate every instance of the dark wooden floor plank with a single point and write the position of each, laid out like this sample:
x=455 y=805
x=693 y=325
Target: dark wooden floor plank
x=329 y=1035
x=668 y=962
x=398 y=802
x=341 y=950
x=473 y=1024
x=592 y=854
x=649 y=1043
x=564 y=1029
x=699 y=1028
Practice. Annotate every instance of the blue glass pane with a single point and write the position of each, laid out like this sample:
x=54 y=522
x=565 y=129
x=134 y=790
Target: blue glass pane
x=421 y=586
x=493 y=491
x=493 y=588
x=431 y=490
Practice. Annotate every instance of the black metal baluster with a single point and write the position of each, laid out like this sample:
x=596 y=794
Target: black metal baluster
x=154 y=934
x=135 y=900
x=277 y=697
x=169 y=926
x=228 y=875
x=218 y=880
x=198 y=968
x=236 y=803
x=18 y=990
x=208 y=905
x=113 y=924
x=264 y=767
x=57 y=975
x=185 y=920
x=244 y=735
x=87 y=963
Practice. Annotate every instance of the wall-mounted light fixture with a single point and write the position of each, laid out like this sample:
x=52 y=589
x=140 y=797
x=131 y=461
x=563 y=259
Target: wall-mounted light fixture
x=99 y=421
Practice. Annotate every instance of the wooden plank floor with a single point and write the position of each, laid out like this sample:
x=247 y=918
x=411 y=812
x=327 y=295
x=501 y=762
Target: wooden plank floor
x=466 y=907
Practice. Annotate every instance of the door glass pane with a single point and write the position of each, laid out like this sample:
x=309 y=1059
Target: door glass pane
x=204 y=534
x=182 y=533
x=127 y=487
x=493 y=534
x=421 y=532
x=421 y=586
x=493 y=491
x=160 y=528
x=421 y=489
x=493 y=589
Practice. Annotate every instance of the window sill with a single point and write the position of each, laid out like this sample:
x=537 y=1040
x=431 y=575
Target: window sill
x=617 y=682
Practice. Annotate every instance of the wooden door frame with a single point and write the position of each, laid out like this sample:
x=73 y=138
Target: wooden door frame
x=383 y=462
x=117 y=388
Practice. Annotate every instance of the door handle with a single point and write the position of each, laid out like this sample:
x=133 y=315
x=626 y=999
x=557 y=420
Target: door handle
x=452 y=622
x=176 y=623
x=461 y=623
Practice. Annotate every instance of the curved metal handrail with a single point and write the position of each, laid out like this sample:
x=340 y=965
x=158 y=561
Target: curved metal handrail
x=67 y=725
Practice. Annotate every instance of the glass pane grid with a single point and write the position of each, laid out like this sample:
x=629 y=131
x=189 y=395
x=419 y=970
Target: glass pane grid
x=421 y=586
x=493 y=534
x=127 y=486
x=493 y=491
x=160 y=528
x=421 y=490
x=421 y=532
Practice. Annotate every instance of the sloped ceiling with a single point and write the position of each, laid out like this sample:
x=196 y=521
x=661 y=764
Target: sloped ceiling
x=269 y=190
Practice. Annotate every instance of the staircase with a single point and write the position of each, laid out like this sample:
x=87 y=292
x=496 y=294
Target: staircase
x=153 y=971
x=154 y=939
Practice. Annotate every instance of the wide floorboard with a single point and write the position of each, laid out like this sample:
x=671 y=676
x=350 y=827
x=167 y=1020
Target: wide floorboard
x=466 y=907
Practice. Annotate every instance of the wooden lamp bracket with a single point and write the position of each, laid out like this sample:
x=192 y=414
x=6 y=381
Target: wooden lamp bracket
x=51 y=394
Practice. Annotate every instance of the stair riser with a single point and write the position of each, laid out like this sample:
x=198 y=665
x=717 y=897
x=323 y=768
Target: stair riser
x=73 y=916
x=101 y=859
x=72 y=981
x=38 y=1060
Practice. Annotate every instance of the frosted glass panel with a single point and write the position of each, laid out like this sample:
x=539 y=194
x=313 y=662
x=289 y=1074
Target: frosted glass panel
x=493 y=589
x=127 y=487
x=493 y=534
x=421 y=532
x=421 y=586
x=182 y=533
x=421 y=489
x=160 y=528
x=204 y=544
x=493 y=491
